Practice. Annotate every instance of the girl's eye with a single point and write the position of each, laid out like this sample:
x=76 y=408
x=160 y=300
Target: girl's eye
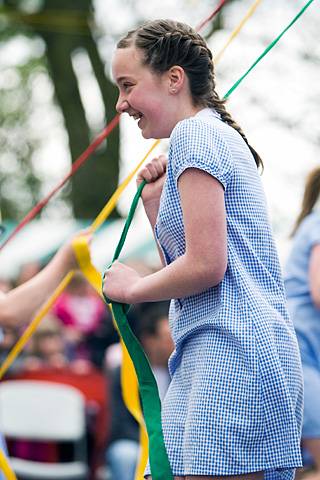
x=127 y=86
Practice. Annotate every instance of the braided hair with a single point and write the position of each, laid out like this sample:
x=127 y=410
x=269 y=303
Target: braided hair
x=166 y=43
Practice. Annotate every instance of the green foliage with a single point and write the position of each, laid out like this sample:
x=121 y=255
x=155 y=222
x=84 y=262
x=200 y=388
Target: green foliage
x=19 y=186
x=62 y=28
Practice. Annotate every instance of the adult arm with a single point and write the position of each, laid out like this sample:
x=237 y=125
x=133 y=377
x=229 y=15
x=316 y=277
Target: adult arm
x=19 y=305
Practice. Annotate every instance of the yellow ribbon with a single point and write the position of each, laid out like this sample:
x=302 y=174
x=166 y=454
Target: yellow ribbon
x=5 y=467
x=105 y=212
x=129 y=382
x=128 y=375
x=45 y=309
x=33 y=325
x=235 y=32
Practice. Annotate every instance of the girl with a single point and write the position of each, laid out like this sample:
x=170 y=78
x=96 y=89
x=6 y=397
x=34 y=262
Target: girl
x=233 y=408
x=302 y=281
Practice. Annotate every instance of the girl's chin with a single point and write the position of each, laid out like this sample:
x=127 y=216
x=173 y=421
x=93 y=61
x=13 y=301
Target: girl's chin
x=147 y=134
x=143 y=127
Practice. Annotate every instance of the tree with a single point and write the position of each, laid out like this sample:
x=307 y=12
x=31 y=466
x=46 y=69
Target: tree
x=19 y=186
x=65 y=29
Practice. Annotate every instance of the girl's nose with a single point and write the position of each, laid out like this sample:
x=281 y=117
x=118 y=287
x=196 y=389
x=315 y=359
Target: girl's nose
x=122 y=105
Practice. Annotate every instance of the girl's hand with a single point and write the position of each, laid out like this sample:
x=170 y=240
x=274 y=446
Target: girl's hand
x=119 y=283
x=154 y=173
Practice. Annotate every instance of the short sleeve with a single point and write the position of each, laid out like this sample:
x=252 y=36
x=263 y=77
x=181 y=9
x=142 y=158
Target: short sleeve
x=197 y=144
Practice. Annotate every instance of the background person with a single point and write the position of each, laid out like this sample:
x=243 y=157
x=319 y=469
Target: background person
x=302 y=281
x=17 y=306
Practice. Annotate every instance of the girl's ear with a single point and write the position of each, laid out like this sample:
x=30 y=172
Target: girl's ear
x=176 y=76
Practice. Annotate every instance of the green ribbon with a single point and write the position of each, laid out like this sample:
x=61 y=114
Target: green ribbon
x=269 y=47
x=149 y=394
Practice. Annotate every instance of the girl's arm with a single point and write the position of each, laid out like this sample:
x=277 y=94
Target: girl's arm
x=19 y=305
x=205 y=260
x=314 y=275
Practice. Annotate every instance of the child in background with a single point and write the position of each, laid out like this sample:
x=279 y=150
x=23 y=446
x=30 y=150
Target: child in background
x=48 y=348
x=302 y=282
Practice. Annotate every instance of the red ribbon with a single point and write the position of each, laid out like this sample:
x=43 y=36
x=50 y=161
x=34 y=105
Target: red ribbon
x=85 y=155
x=75 y=166
x=213 y=14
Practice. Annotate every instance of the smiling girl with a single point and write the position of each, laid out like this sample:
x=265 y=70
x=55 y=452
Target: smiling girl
x=233 y=409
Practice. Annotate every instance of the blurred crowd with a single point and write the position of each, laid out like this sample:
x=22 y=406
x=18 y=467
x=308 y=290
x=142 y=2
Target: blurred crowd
x=76 y=343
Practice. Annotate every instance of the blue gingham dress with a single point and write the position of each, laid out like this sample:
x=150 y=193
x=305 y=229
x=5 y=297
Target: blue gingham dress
x=234 y=405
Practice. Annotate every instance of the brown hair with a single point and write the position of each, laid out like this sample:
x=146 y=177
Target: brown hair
x=166 y=43
x=310 y=196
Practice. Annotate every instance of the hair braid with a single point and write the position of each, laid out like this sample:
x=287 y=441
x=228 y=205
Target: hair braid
x=219 y=105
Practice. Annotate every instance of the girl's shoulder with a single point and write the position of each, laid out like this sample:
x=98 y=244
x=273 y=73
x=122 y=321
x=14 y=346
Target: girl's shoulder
x=196 y=133
x=193 y=125
x=197 y=143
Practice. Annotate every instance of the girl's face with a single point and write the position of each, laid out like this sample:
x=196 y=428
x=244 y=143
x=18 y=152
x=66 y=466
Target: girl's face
x=143 y=94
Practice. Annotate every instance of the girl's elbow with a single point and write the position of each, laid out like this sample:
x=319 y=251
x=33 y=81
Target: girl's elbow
x=7 y=317
x=220 y=272
x=215 y=272
x=6 y=320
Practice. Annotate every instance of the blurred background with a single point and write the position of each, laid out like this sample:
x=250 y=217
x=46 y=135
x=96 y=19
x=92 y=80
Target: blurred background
x=56 y=95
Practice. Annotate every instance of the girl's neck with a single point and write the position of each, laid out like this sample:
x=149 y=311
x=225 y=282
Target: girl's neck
x=187 y=112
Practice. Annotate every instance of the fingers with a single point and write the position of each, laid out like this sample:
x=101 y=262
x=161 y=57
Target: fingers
x=112 y=265
x=153 y=170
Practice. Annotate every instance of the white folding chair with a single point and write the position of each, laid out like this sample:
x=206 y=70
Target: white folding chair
x=45 y=411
